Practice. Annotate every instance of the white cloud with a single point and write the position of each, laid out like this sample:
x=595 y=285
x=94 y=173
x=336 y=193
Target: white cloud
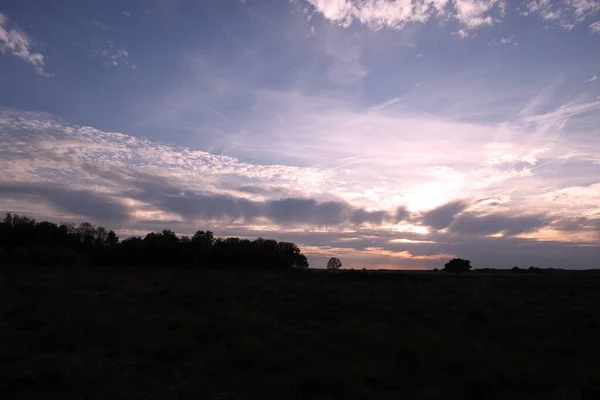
x=69 y=148
x=471 y=14
x=475 y=13
x=126 y=13
x=18 y=43
x=378 y=14
x=463 y=33
x=566 y=13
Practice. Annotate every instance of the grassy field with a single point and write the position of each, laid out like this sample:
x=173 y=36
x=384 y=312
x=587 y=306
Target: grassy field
x=156 y=333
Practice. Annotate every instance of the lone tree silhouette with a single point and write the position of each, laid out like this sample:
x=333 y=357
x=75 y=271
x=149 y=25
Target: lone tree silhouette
x=457 y=265
x=334 y=264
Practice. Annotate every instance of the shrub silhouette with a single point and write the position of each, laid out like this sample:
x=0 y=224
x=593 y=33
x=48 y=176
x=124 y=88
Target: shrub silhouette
x=25 y=241
x=457 y=265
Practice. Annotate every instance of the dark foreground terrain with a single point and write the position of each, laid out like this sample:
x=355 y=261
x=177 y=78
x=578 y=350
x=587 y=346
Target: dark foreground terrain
x=151 y=333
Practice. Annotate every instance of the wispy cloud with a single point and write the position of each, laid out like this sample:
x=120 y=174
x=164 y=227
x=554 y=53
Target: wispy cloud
x=595 y=27
x=16 y=42
x=566 y=13
x=511 y=40
x=100 y=44
x=95 y=25
x=114 y=55
x=592 y=79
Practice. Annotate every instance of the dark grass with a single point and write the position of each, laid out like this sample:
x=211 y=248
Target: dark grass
x=152 y=333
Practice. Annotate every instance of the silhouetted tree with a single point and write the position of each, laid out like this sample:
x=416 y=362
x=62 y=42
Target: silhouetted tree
x=25 y=241
x=290 y=256
x=334 y=264
x=202 y=243
x=457 y=265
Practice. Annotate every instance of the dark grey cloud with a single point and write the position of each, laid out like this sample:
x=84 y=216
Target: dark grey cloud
x=453 y=217
x=287 y=211
x=402 y=214
x=292 y=210
x=442 y=216
x=577 y=224
x=509 y=225
x=89 y=204
x=284 y=211
x=360 y=216
x=203 y=206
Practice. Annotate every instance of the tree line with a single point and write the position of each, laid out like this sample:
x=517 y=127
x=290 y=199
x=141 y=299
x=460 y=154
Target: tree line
x=25 y=241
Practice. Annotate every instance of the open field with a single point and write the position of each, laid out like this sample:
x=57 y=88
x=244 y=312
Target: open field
x=98 y=333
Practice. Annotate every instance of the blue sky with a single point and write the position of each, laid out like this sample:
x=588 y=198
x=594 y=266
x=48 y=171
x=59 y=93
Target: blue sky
x=387 y=133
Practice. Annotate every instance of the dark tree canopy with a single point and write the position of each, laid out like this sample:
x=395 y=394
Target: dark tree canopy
x=26 y=241
x=334 y=264
x=457 y=265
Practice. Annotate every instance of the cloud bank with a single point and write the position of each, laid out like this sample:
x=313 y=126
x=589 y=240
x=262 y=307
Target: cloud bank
x=135 y=185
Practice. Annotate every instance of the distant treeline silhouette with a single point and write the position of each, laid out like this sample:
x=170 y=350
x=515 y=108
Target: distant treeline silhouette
x=530 y=270
x=25 y=241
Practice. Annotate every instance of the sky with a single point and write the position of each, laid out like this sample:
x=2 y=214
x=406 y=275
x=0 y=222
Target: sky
x=388 y=133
